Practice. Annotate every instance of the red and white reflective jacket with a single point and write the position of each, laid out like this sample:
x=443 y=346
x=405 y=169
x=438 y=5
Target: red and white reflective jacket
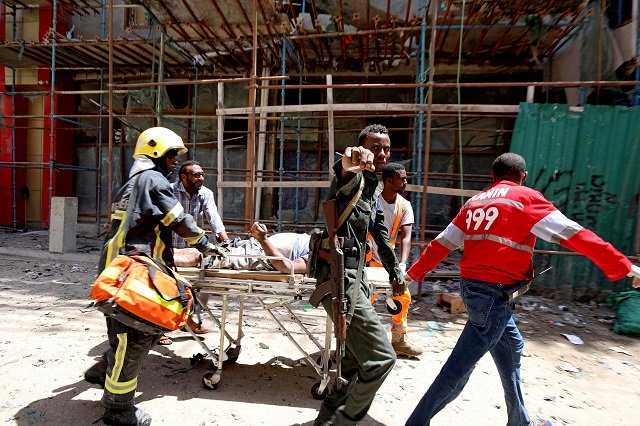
x=498 y=229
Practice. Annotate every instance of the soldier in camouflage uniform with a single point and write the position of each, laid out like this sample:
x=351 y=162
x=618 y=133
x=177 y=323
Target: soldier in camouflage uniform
x=369 y=356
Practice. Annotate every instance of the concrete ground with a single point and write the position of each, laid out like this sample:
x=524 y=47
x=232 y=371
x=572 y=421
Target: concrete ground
x=48 y=337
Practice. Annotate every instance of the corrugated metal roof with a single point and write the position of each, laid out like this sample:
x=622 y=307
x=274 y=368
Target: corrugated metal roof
x=585 y=163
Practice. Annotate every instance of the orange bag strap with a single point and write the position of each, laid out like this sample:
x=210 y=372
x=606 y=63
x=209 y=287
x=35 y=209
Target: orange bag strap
x=396 y=223
x=392 y=240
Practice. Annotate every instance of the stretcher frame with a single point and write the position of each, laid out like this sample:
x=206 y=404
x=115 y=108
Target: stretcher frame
x=273 y=285
x=272 y=289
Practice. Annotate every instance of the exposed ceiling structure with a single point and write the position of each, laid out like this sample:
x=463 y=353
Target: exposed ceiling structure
x=319 y=36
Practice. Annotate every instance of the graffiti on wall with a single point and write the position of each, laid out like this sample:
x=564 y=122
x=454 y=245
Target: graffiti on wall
x=585 y=200
x=590 y=200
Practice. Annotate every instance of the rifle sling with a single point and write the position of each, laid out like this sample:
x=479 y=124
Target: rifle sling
x=351 y=204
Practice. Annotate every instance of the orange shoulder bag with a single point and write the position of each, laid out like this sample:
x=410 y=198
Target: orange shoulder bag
x=142 y=292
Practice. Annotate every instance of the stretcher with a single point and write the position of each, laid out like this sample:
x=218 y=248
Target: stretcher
x=272 y=290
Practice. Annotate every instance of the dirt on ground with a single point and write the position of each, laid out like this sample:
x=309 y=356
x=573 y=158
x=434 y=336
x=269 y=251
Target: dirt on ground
x=49 y=337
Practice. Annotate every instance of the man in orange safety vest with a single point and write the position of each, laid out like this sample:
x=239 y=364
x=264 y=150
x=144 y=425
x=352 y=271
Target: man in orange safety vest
x=398 y=218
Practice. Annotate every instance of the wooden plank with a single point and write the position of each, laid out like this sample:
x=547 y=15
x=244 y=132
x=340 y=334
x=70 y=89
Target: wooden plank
x=276 y=184
x=386 y=107
x=325 y=184
x=443 y=191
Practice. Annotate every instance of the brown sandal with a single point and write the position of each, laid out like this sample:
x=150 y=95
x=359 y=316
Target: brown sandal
x=198 y=329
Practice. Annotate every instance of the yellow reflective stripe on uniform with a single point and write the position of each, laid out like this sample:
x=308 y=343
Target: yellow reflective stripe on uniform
x=195 y=240
x=118 y=388
x=111 y=383
x=158 y=245
x=116 y=242
x=500 y=240
x=112 y=272
x=148 y=293
x=172 y=215
x=118 y=214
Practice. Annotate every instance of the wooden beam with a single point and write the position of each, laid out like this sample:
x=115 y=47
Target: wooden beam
x=325 y=184
x=373 y=107
x=443 y=191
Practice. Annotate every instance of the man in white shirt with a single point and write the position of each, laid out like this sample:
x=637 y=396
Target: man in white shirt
x=197 y=200
x=398 y=218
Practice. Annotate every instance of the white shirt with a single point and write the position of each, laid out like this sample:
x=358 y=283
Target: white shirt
x=292 y=246
x=201 y=206
x=390 y=211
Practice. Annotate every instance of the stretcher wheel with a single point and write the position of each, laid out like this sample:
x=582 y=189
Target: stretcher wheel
x=211 y=380
x=315 y=391
x=232 y=355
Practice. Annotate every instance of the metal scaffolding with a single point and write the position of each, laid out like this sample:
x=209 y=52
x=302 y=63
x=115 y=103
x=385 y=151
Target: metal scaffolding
x=292 y=81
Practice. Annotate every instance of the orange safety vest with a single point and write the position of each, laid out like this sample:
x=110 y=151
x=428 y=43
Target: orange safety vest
x=392 y=235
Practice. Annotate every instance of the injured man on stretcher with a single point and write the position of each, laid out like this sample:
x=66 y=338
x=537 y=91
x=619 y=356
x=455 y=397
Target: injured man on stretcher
x=287 y=245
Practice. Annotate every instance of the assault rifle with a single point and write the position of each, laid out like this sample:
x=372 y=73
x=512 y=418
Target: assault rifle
x=334 y=286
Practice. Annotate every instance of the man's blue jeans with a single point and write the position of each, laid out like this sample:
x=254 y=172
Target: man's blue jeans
x=490 y=328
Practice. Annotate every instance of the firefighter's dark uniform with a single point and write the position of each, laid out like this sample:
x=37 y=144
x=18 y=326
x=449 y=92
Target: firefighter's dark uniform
x=369 y=355
x=155 y=214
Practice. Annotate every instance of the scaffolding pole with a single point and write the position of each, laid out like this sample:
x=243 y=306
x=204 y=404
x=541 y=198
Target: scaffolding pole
x=52 y=104
x=194 y=108
x=14 y=172
x=110 y=117
x=99 y=159
x=160 y=78
x=251 y=124
x=220 y=148
x=282 y=126
x=427 y=143
x=420 y=100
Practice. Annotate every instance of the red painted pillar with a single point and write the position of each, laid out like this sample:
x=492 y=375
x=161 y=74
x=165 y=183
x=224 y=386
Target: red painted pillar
x=12 y=178
x=12 y=186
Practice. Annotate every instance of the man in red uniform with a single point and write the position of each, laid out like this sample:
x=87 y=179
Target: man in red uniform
x=498 y=229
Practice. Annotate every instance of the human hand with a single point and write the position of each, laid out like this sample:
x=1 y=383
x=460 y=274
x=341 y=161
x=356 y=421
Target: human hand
x=398 y=288
x=635 y=273
x=258 y=231
x=357 y=159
